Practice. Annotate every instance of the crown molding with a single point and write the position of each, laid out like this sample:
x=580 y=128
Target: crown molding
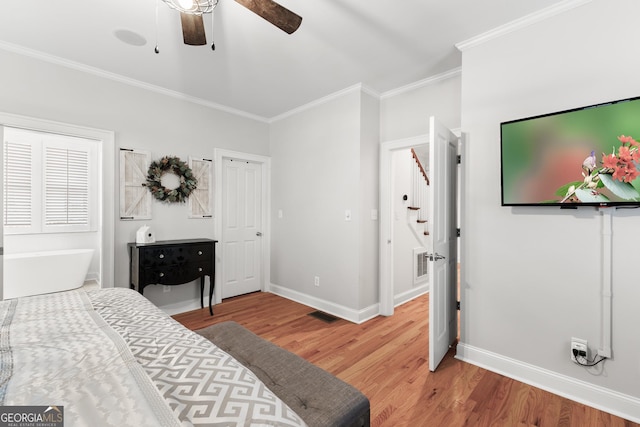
x=359 y=87
x=369 y=91
x=20 y=50
x=455 y=72
x=523 y=22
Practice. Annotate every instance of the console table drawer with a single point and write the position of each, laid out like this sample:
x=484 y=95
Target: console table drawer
x=176 y=274
x=173 y=254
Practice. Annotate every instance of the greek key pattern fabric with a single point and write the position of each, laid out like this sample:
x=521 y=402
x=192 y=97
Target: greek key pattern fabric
x=202 y=384
x=57 y=351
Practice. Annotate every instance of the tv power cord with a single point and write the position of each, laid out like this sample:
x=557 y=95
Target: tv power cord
x=580 y=355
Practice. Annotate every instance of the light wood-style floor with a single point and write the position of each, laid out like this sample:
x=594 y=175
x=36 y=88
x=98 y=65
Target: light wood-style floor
x=387 y=359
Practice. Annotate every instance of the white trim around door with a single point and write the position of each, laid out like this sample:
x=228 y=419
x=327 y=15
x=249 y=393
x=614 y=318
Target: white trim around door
x=219 y=155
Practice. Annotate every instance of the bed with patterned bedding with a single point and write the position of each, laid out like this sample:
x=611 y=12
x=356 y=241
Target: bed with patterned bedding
x=111 y=358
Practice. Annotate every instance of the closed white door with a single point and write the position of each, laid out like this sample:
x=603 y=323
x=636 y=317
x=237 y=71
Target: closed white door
x=443 y=318
x=241 y=227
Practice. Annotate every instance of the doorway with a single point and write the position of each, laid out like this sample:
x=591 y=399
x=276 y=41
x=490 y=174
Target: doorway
x=387 y=149
x=242 y=195
x=443 y=148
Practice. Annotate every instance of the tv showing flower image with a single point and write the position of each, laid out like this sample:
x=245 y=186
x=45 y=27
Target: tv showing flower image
x=585 y=156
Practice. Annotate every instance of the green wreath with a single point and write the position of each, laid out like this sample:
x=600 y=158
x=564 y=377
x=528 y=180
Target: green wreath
x=170 y=165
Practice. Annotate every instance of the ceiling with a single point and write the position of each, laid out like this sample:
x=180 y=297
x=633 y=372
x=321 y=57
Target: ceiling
x=257 y=69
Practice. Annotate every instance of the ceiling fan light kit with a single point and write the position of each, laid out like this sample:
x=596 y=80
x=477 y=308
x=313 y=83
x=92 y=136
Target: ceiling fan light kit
x=192 y=7
x=191 y=12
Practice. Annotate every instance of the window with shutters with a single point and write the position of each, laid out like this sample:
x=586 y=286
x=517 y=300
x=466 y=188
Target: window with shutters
x=47 y=182
x=17 y=184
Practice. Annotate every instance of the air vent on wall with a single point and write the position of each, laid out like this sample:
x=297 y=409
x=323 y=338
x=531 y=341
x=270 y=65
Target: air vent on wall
x=420 y=263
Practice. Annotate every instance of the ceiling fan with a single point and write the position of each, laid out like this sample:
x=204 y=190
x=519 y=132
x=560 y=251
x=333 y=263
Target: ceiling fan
x=193 y=26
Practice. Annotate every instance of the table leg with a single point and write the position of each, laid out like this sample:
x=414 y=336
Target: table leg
x=201 y=291
x=211 y=285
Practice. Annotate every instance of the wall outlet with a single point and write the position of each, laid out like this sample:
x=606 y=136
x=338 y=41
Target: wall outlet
x=316 y=281
x=166 y=288
x=583 y=350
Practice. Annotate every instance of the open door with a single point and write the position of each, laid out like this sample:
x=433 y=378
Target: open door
x=443 y=319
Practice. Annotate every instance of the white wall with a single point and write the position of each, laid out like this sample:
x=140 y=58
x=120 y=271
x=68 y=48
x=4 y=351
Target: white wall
x=323 y=165
x=405 y=112
x=532 y=276
x=141 y=119
x=369 y=171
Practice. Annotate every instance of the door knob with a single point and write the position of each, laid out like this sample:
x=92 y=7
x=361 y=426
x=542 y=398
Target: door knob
x=435 y=257
x=258 y=234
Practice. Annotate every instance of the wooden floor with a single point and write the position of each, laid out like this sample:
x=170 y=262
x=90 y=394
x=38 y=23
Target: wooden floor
x=387 y=359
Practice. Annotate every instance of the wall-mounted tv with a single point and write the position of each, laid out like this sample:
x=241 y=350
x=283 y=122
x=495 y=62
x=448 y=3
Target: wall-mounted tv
x=585 y=156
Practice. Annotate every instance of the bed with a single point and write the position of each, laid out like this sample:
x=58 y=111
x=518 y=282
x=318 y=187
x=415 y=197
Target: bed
x=109 y=357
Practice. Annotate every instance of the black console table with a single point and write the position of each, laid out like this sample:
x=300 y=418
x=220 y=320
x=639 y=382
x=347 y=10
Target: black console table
x=173 y=262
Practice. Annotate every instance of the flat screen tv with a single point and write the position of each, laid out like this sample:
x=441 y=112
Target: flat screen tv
x=585 y=156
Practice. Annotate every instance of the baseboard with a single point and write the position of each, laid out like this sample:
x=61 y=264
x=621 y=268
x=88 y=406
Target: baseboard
x=95 y=276
x=90 y=285
x=410 y=294
x=181 y=307
x=601 y=398
x=355 y=316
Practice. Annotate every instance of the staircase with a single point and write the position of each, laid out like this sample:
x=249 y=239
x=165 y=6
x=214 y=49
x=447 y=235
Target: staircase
x=417 y=210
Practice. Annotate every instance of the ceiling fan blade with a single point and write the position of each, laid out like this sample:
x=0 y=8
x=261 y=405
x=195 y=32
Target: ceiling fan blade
x=193 y=29
x=278 y=15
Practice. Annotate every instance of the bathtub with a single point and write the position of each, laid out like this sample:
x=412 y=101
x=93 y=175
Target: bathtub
x=35 y=273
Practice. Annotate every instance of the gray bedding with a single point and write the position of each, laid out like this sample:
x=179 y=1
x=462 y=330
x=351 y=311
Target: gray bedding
x=111 y=358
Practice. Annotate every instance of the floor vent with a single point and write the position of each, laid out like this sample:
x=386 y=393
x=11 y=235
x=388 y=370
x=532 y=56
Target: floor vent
x=323 y=316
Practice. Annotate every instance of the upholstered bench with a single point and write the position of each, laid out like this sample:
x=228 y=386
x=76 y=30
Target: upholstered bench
x=318 y=397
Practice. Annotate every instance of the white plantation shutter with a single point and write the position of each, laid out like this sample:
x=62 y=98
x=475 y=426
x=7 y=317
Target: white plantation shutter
x=17 y=184
x=66 y=183
x=135 y=198
x=201 y=199
x=47 y=182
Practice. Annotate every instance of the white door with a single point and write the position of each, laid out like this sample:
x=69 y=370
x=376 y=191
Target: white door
x=241 y=227
x=443 y=318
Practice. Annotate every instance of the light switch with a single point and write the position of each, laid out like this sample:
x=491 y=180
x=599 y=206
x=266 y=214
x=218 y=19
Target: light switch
x=279 y=213
x=347 y=215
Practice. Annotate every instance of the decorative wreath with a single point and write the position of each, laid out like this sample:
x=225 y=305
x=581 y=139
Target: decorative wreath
x=168 y=164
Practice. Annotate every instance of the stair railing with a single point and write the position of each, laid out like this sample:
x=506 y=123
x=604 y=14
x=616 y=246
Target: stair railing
x=419 y=190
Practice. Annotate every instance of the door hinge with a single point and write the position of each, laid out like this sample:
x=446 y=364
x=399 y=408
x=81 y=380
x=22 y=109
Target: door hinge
x=457 y=232
x=458 y=305
x=459 y=159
